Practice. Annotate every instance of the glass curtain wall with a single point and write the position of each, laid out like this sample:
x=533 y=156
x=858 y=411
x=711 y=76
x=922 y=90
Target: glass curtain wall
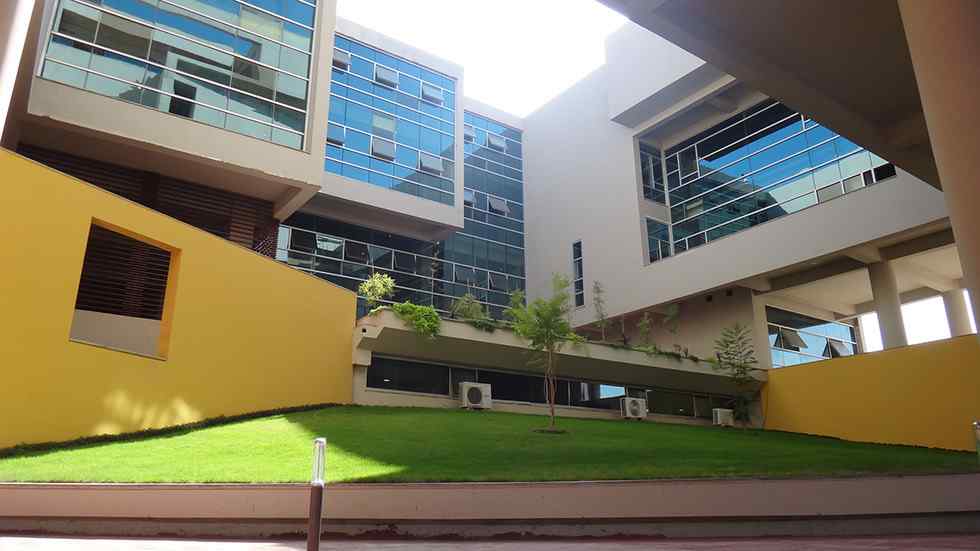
x=796 y=339
x=485 y=259
x=239 y=65
x=392 y=122
x=763 y=163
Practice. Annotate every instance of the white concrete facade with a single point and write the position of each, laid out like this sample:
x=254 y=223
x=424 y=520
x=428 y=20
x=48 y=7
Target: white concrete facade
x=583 y=183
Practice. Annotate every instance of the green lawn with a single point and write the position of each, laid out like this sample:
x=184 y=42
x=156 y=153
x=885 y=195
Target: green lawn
x=405 y=444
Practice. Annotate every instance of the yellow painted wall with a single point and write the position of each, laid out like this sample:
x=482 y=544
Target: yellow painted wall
x=246 y=333
x=922 y=395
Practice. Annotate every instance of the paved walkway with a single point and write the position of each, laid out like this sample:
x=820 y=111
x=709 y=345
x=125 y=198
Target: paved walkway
x=909 y=543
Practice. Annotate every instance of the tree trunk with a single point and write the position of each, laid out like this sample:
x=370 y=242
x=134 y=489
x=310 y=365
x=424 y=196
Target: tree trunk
x=549 y=377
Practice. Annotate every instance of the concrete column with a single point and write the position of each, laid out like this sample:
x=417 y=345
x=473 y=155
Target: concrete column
x=888 y=304
x=15 y=17
x=944 y=45
x=957 y=312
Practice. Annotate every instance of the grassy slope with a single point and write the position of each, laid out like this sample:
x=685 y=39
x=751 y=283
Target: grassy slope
x=397 y=444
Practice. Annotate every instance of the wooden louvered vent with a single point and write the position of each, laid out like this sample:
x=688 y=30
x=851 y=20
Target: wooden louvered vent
x=238 y=218
x=122 y=276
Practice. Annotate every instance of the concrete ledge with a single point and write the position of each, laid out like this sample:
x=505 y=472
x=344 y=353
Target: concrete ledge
x=668 y=499
x=948 y=523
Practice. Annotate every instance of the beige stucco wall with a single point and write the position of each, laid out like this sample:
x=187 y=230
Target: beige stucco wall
x=138 y=335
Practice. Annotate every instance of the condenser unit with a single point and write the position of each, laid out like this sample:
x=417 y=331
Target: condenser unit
x=475 y=395
x=633 y=408
x=722 y=417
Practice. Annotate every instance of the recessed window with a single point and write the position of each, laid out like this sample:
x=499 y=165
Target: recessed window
x=791 y=339
x=336 y=134
x=383 y=149
x=496 y=142
x=405 y=262
x=830 y=192
x=465 y=275
x=386 y=76
x=121 y=299
x=498 y=282
x=836 y=349
x=430 y=163
x=884 y=171
x=854 y=183
x=341 y=59
x=469 y=197
x=383 y=125
x=432 y=93
x=469 y=133
x=498 y=206
x=356 y=252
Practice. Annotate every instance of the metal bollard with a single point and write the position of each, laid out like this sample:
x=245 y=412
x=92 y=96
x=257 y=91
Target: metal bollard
x=316 y=494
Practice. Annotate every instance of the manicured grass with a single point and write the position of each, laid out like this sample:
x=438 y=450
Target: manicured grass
x=407 y=444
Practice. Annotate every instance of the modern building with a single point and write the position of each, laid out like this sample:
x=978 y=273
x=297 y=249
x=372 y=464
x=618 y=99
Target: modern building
x=692 y=199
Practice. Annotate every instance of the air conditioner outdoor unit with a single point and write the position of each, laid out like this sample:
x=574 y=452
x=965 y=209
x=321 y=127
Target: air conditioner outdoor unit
x=475 y=395
x=722 y=417
x=633 y=408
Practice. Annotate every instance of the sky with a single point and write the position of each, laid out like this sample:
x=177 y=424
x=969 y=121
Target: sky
x=517 y=54
x=924 y=320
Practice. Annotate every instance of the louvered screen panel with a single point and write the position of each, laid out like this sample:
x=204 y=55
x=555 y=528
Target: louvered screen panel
x=119 y=180
x=123 y=276
x=244 y=220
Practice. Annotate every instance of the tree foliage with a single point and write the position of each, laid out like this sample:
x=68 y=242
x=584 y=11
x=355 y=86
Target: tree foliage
x=544 y=324
x=735 y=357
x=424 y=319
x=466 y=308
x=599 y=304
x=376 y=288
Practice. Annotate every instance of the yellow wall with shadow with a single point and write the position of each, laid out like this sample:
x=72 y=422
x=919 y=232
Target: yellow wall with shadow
x=922 y=395
x=241 y=332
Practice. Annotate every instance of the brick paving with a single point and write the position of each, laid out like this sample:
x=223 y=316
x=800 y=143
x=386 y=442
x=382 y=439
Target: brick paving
x=899 y=543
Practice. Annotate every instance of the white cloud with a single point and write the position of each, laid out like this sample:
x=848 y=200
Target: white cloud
x=517 y=54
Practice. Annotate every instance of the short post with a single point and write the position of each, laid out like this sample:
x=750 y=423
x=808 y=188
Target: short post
x=316 y=494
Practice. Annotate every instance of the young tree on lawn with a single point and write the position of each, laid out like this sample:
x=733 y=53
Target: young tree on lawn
x=599 y=304
x=735 y=356
x=544 y=325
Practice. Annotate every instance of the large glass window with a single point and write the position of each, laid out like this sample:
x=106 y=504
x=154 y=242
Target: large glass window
x=424 y=272
x=796 y=339
x=761 y=164
x=658 y=240
x=220 y=62
x=392 y=98
x=411 y=376
x=651 y=174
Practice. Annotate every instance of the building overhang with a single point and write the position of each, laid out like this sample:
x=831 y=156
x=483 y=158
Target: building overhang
x=796 y=52
x=461 y=344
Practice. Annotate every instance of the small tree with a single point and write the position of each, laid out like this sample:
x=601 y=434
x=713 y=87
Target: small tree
x=735 y=356
x=544 y=325
x=376 y=288
x=599 y=304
